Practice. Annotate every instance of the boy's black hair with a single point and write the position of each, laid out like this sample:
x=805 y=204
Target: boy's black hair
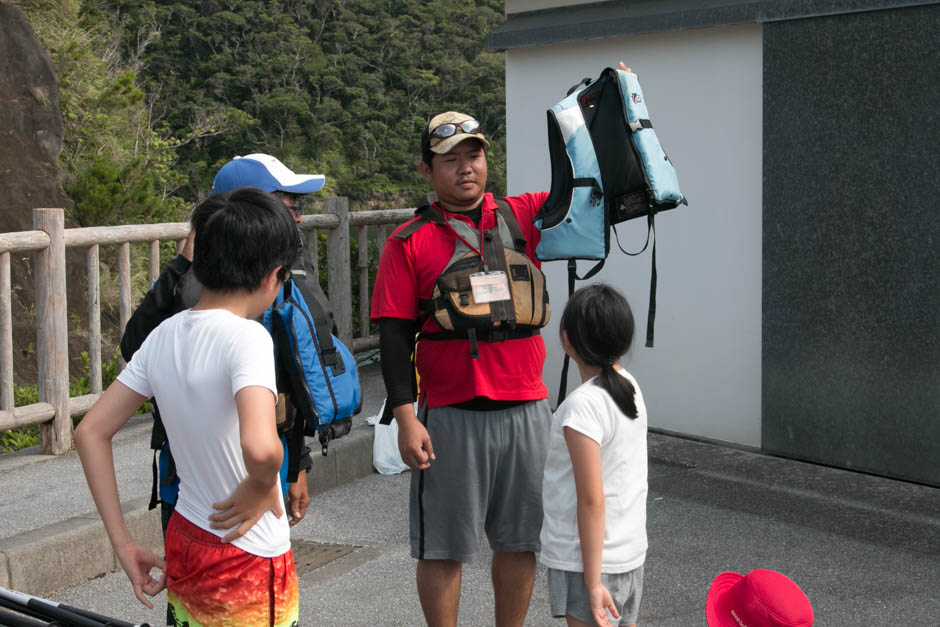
x=600 y=328
x=240 y=237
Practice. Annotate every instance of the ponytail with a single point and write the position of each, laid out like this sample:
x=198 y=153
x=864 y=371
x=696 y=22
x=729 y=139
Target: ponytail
x=599 y=324
x=620 y=389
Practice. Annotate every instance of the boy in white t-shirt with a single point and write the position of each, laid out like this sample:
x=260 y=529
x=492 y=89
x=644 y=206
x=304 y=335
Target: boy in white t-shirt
x=211 y=369
x=594 y=487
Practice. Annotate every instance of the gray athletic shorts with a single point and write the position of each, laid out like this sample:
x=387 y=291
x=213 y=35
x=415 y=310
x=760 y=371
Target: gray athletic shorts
x=486 y=476
x=568 y=595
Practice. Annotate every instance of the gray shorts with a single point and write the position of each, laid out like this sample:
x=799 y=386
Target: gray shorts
x=486 y=476
x=567 y=595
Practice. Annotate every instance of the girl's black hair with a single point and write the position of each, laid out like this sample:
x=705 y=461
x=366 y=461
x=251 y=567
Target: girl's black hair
x=599 y=324
x=241 y=236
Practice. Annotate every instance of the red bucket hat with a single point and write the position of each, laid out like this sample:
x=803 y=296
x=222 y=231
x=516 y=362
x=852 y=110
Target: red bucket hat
x=762 y=598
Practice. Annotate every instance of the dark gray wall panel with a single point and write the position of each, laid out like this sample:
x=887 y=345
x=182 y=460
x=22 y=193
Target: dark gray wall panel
x=851 y=274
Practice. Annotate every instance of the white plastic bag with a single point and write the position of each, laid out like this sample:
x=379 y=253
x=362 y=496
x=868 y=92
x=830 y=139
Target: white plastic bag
x=386 y=459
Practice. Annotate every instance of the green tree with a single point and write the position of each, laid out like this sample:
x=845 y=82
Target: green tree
x=340 y=87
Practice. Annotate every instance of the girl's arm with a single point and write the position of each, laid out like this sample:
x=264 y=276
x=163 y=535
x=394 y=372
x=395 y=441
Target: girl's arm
x=588 y=480
x=93 y=441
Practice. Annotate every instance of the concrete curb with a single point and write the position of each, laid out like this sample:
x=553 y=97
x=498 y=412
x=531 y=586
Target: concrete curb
x=75 y=550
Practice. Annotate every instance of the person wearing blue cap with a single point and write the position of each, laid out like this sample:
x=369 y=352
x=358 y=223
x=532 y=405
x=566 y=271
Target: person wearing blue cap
x=268 y=174
x=176 y=289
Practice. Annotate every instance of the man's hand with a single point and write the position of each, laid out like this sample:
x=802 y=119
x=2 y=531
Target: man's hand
x=298 y=498
x=137 y=563
x=245 y=507
x=624 y=68
x=600 y=602
x=414 y=443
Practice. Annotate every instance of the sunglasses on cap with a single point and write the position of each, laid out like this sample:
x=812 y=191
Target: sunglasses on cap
x=443 y=131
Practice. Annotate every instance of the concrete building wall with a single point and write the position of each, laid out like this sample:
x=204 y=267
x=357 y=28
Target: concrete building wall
x=703 y=89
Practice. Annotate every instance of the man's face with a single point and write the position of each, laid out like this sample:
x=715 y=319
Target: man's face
x=292 y=202
x=458 y=177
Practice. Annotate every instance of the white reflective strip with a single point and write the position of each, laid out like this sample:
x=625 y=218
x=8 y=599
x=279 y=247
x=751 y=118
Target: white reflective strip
x=569 y=121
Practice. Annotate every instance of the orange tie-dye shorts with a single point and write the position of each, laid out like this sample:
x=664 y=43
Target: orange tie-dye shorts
x=210 y=583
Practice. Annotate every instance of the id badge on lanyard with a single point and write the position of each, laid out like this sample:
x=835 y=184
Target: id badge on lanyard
x=489 y=287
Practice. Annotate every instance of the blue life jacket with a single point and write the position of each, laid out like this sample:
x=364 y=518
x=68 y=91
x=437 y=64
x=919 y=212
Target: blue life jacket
x=323 y=376
x=607 y=167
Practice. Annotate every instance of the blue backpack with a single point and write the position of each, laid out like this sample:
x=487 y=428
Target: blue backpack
x=320 y=371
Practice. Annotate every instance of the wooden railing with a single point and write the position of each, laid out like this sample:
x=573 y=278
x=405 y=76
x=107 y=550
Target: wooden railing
x=50 y=238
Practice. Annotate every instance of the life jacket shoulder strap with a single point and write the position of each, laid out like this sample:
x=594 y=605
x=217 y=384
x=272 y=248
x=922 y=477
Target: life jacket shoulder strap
x=423 y=215
x=518 y=239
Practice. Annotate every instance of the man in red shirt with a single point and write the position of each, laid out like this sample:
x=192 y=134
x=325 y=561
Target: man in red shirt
x=477 y=446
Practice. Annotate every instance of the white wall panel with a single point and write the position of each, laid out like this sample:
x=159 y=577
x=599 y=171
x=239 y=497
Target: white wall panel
x=703 y=89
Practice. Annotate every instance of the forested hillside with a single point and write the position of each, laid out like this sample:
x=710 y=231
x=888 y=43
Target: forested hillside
x=157 y=95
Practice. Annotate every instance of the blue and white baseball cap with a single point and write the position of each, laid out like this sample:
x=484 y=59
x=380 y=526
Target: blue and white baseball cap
x=266 y=173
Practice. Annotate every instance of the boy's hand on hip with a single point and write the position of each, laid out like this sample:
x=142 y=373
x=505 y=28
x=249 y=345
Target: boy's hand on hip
x=245 y=507
x=298 y=498
x=137 y=563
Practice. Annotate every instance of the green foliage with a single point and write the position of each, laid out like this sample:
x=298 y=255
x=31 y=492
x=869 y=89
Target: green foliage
x=157 y=95
x=81 y=385
x=121 y=166
x=343 y=88
x=16 y=439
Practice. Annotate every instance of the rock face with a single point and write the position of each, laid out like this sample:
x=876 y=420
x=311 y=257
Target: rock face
x=30 y=125
x=30 y=176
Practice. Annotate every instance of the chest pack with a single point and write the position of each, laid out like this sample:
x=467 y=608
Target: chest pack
x=316 y=368
x=607 y=167
x=494 y=261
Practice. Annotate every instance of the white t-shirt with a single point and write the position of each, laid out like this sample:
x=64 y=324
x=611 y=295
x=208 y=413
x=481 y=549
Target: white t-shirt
x=590 y=410
x=193 y=364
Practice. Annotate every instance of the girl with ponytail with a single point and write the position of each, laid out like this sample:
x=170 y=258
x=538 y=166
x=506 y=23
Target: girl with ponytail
x=594 y=487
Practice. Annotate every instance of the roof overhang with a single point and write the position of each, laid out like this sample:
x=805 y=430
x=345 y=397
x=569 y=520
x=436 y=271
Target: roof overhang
x=615 y=18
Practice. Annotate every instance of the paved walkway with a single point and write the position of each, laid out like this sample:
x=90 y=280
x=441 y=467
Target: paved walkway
x=865 y=549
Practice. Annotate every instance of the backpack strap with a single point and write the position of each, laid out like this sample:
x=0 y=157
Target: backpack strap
x=322 y=324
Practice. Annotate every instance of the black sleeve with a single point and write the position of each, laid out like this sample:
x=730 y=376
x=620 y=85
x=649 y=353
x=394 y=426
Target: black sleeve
x=160 y=303
x=298 y=453
x=304 y=461
x=396 y=343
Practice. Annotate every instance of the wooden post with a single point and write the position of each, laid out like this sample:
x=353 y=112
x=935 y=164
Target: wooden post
x=313 y=243
x=380 y=238
x=6 y=334
x=52 y=332
x=154 y=268
x=124 y=284
x=363 y=280
x=339 y=284
x=94 y=320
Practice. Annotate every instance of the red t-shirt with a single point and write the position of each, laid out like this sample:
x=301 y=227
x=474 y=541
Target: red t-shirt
x=509 y=370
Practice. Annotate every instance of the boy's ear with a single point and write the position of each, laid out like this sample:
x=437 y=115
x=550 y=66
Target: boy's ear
x=272 y=280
